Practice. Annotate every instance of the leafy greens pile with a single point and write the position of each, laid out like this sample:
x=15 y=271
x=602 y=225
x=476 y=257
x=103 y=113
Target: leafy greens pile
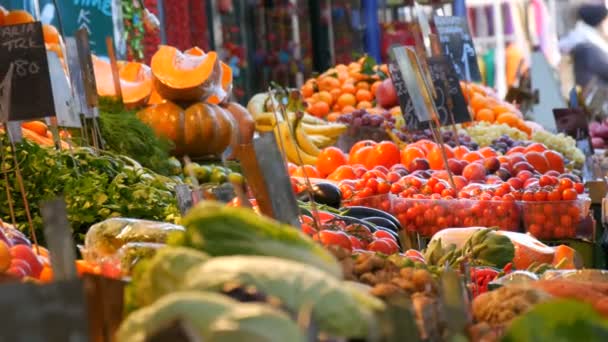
x=95 y=185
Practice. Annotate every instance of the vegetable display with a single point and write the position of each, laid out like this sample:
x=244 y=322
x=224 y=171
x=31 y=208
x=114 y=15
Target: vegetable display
x=96 y=186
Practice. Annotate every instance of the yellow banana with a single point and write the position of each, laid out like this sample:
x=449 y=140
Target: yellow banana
x=257 y=104
x=319 y=140
x=304 y=141
x=313 y=120
x=264 y=128
x=292 y=151
x=329 y=130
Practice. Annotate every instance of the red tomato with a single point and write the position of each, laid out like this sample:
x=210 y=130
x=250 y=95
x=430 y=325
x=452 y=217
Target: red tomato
x=412 y=253
x=385 y=154
x=335 y=238
x=579 y=187
x=382 y=246
x=308 y=229
x=323 y=216
x=355 y=243
x=381 y=234
x=569 y=195
x=565 y=183
x=394 y=245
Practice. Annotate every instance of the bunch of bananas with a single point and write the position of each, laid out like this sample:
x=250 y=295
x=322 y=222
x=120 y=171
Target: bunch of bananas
x=301 y=136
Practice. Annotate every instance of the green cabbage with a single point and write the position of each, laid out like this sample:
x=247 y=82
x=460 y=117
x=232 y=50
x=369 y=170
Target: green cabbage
x=338 y=309
x=220 y=230
x=162 y=274
x=212 y=316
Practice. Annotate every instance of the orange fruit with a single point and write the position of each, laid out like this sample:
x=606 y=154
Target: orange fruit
x=347 y=99
x=326 y=97
x=364 y=95
x=5 y=257
x=46 y=275
x=319 y=109
x=555 y=160
x=364 y=105
x=485 y=115
x=306 y=171
x=328 y=83
x=51 y=35
x=435 y=157
x=375 y=86
x=342 y=172
x=508 y=118
x=410 y=153
x=329 y=160
x=348 y=88
x=538 y=161
x=333 y=116
x=335 y=93
x=18 y=17
x=478 y=102
x=307 y=90
x=348 y=109
x=362 y=85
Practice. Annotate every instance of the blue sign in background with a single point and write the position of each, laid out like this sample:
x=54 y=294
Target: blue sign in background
x=93 y=15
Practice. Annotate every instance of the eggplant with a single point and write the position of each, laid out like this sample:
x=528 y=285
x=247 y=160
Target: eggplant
x=364 y=212
x=382 y=222
x=323 y=193
x=354 y=220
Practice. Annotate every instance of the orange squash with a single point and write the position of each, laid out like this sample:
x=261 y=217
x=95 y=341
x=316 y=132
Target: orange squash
x=244 y=122
x=135 y=81
x=198 y=131
x=226 y=85
x=193 y=76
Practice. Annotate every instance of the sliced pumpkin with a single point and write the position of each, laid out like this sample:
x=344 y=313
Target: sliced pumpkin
x=528 y=250
x=226 y=84
x=185 y=76
x=135 y=81
x=566 y=258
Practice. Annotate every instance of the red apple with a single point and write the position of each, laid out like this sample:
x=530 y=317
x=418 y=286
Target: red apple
x=386 y=94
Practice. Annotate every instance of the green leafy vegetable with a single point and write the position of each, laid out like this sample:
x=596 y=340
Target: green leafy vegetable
x=96 y=186
x=559 y=321
x=220 y=230
x=338 y=310
x=211 y=315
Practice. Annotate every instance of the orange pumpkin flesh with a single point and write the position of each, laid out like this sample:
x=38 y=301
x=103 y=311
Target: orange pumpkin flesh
x=226 y=84
x=184 y=76
x=135 y=81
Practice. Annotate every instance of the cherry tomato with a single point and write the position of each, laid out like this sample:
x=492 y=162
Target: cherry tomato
x=569 y=195
x=393 y=244
x=308 y=229
x=335 y=238
x=540 y=195
x=579 y=187
x=355 y=243
x=554 y=195
x=528 y=196
x=383 y=188
x=547 y=180
x=412 y=253
x=396 y=188
x=381 y=246
x=565 y=183
x=381 y=234
x=359 y=231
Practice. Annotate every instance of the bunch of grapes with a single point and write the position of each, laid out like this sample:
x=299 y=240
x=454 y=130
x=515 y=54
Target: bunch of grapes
x=561 y=143
x=361 y=117
x=504 y=143
x=484 y=133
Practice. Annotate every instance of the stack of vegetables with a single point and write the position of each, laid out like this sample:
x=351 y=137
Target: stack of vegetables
x=185 y=96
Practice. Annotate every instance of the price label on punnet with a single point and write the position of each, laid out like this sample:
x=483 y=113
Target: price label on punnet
x=415 y=98
x=458 y=45
x=31 y=95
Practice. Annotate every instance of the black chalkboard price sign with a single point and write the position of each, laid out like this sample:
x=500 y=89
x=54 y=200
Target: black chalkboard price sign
x=449 y=94
x=22 y=46
x=458 y=45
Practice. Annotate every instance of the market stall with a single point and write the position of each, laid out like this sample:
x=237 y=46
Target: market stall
x=378 y=201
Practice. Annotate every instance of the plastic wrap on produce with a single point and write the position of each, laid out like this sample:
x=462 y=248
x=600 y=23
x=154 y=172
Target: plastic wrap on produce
x=105 y=238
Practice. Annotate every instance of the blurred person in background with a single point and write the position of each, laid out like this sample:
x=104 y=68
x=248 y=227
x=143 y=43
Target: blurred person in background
x=587 y=45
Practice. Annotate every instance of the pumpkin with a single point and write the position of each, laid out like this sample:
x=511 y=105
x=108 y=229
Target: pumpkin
x=135 y=81
x=244 y=122
x=226 y=85
x=200 y=130
x=193 y=76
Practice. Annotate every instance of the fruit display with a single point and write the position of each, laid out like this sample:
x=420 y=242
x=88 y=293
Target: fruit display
x=599 y=134
x=301 y=136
